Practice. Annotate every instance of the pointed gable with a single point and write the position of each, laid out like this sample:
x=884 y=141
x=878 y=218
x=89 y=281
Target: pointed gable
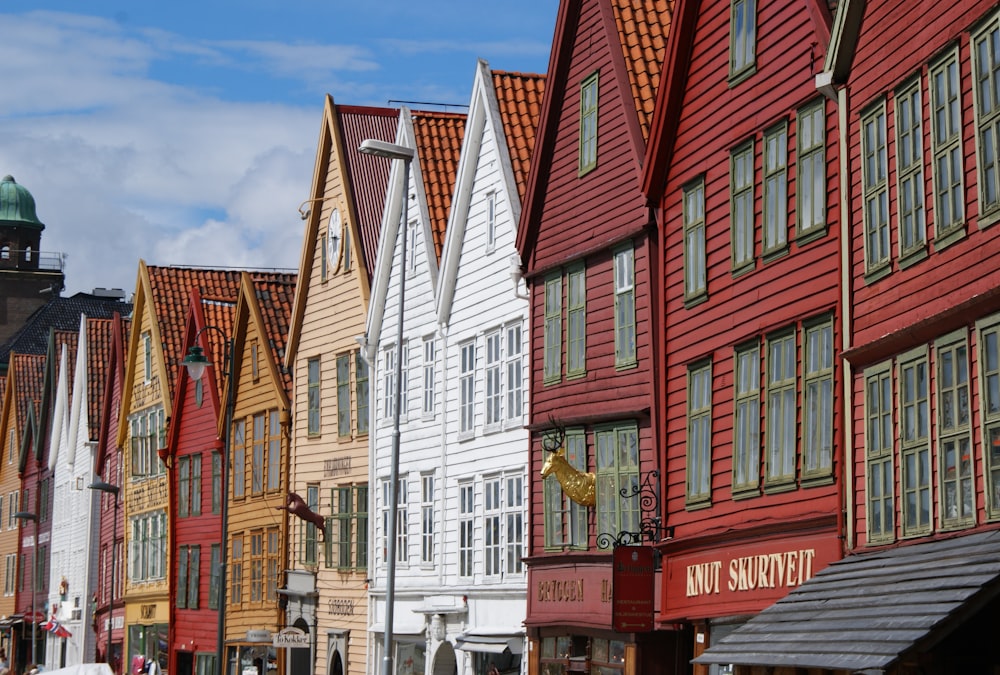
x=100 y=337
x=274 y=302
x=438 y=140
x=643 y=26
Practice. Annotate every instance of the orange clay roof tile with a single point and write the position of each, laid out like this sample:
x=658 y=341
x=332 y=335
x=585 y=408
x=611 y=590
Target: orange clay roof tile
x=99 y=339
x=29 y=373
x=275 y=298
x=438 y=139
x=520 y=98
x=643 y=26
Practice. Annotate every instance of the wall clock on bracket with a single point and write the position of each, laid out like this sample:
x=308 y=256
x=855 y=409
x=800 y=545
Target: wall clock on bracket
x=335 y=239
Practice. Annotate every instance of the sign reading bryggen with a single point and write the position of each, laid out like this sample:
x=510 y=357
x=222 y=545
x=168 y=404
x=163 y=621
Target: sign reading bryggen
x=745 y=576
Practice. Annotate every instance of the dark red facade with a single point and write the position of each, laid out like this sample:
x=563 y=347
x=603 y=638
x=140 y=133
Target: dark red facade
x=581 y=224
x=749 y=379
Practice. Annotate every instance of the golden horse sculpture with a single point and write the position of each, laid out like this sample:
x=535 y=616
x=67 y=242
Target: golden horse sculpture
x=577 y=485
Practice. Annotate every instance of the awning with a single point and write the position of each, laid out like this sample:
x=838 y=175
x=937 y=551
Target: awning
x=472 y=641
x=864 y=612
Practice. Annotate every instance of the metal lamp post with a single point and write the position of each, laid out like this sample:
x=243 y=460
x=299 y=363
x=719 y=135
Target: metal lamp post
x=112 y=490
x=196 y=362
x=392 y=151
x=22 y=516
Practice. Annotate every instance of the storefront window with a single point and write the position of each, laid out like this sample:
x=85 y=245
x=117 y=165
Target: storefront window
x=607 y=657
x=505 y=663
x=582 y=654
x=410 y=658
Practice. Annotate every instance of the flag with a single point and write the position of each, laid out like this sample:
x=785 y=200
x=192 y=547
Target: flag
x=56 y=628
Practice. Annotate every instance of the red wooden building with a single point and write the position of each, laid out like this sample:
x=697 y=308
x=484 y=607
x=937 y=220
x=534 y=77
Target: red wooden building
x=586 y=242
x=108 y=605
x=918 y=85
x=742 y=165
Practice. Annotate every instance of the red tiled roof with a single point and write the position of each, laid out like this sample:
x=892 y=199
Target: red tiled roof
x=71 y=339
x=29 y=374
x=275 y=297
x=99 y=338
x=171 y=289
x=520 y=99
x=643 y=26
x=368 y=175
x=438 y=139
x=218 y=313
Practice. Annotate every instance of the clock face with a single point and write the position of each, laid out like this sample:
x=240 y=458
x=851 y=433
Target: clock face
x=335 y=238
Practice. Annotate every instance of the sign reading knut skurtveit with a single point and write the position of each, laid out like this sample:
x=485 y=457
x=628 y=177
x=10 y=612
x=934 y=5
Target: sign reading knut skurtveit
x=291 y=637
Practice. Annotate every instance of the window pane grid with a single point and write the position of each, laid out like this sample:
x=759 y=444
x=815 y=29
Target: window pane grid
x=775 y=189
x=781 y=410
x=910 y=169
x=741 y=185
x=699 y=435
x=746 y=425
x=874 y=165
x=817 y=433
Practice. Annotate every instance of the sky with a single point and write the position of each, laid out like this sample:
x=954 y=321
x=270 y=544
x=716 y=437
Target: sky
x=185 y=133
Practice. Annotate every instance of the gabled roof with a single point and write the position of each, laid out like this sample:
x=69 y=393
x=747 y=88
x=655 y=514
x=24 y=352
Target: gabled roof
x=67 y=344
x=61 y=314
x=510 y=101
x=437 y=137
x=638 y=29
x=114 y=378
x=170 y=294
x=274 y=301
x=99 y=345
x=27 y=372
x=365 y=179
x=519 y=97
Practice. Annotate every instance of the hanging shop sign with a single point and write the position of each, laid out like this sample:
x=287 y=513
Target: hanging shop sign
x=633 y=578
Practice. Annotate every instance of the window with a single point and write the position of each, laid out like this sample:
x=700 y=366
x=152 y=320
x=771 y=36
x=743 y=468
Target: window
x=239 y=459
x=742 y=37
x=625 y=351
x=467 y=388
x=147 y=357
x=43 y=499
x=986 y=75
x=183 y=486
x=323 y=263
x=214 y=579
x=361 y=391
x=273 y=564
x=313 y=397
x=309 y=529
x=388 y=383
x=493 y=378
x=427 y=496
x=147 y=559
x=565 y=520
x=204 y=664
x=515 y=375
x=12 y=508
x=746 y=419
x=236 y=583
x=552 y=366
x=362 y=526
x=347 y=250
x=811 y=182
x=256 y=566
x=491 y=221
x=817 y=413
x=466 y=515
x=254 y=361
x=514 y=525
x=989 y=375
x=430 y=368
x=879 y=449
x=699 y=434
x=576 y=322
x=338 y=539
x=954 y=433
x=148 y=433
x=588 y=124
x=946 y=147
x=617 y=452
x=695 y=287
x=273 y=452
x=402 y=524
x=781 y=410
x=195 y=485
x=910 y=169
x=741 y=207
x=217 y=496
x=875 y=179
x=492 y=517
x=915 y=442
x=776 y=189
x=257 y=461
x=10 y=574
x=344 y=395
x=188 y=576
x=411 y=247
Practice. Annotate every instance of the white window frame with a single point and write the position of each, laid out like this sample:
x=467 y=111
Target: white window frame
x=491 y=221
x=514 y=374
x=467 y=389
x=429 y=407
x=625 y=323
x=493 y=380
x=428 y=517
x=466 y=529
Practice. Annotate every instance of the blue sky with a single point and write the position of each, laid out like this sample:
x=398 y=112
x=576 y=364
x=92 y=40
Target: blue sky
x=185 y=133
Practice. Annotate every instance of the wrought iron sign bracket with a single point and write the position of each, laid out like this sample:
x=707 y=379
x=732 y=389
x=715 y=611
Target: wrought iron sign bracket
x=651 y=529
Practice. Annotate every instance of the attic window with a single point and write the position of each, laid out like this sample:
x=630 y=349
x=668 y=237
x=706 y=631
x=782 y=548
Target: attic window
x=588 y=124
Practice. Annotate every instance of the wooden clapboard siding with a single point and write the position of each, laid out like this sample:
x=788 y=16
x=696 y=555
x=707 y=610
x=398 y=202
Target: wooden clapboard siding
x=712 y=117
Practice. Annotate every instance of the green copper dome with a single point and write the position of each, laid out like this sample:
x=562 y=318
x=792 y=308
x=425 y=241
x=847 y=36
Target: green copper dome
x=17 y=206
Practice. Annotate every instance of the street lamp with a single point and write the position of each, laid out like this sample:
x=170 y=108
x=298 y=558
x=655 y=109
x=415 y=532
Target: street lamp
x=392 y=151
x=27 y=515
x=112 y=490
x=196 y=362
